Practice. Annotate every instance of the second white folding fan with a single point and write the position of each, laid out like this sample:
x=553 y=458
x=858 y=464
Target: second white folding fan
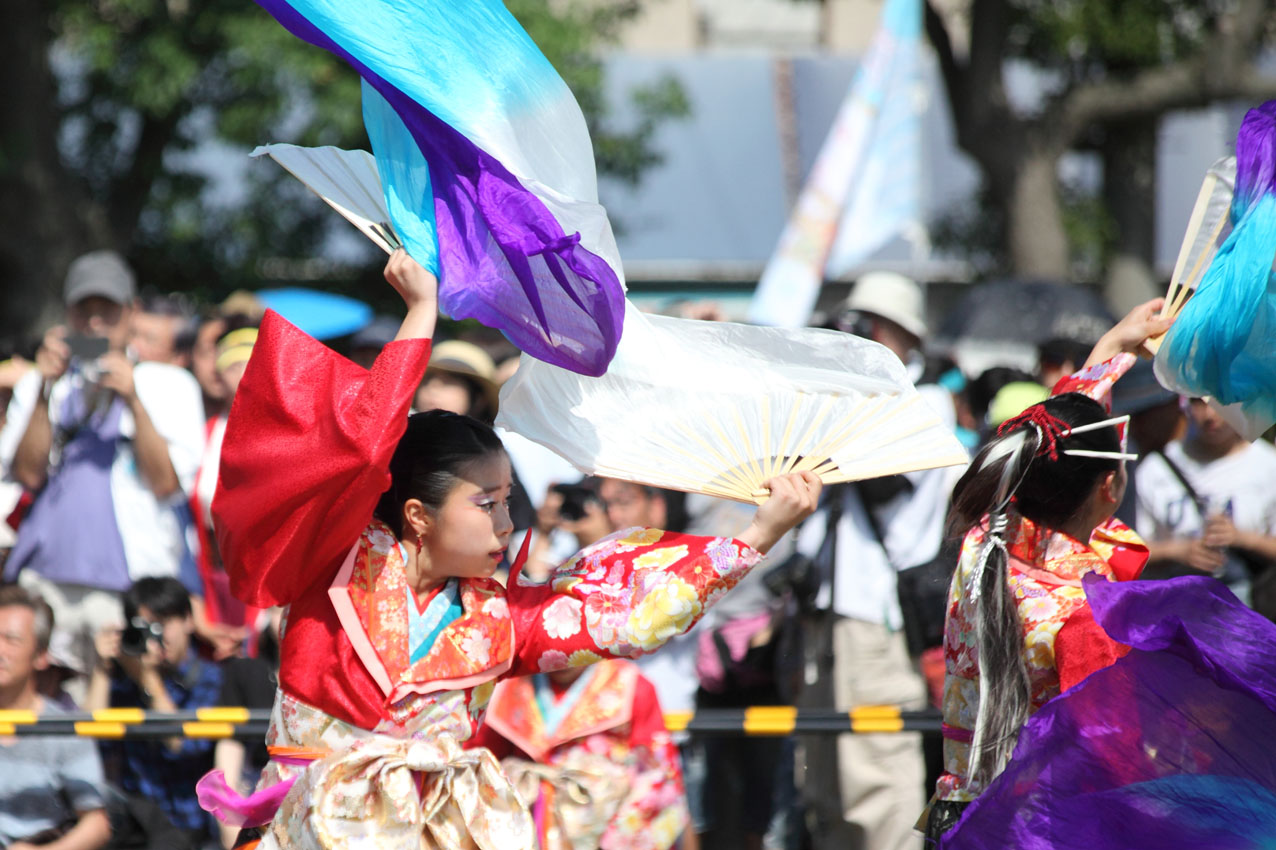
x=1207 y=229
x=718 y=408
x=347 y=181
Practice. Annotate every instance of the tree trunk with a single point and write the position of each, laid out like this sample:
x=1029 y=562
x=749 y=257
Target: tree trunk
x=45 y=218
x=1129 y=193
x=1036 y=243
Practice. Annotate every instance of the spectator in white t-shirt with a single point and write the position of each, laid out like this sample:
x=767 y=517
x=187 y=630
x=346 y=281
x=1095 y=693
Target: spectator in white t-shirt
x=11 y=372
x=1207 y=504
x=110 y=447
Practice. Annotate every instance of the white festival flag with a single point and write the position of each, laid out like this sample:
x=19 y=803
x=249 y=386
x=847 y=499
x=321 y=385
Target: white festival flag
x=864 y=187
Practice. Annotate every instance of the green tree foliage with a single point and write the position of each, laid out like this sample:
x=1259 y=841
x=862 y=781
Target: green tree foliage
x=1108 y=72
x=1090 y=39
x=149 y=98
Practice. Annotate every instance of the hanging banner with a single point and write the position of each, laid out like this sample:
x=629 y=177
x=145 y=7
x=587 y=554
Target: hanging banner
x=865 y=185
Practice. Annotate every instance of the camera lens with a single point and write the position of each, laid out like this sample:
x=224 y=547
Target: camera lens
x=137 y=634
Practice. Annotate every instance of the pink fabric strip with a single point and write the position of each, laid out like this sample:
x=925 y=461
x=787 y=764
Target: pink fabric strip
x=538 y=813
x=954 y=733
x=339 y=593
x=234 y=809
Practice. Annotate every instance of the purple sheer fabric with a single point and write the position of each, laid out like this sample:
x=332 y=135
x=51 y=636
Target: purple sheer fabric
x=1174 y=746
x=503 y=257
x=1255 y=156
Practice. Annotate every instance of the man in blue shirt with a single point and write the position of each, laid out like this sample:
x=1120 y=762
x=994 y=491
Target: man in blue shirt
x=152 y=664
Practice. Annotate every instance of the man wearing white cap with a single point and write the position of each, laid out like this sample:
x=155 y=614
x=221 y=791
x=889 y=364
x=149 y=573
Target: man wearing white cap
x=861 y=538
x=108 y=446
x=891 y=309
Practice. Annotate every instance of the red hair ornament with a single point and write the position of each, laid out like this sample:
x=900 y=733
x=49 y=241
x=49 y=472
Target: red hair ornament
x=1050 y=428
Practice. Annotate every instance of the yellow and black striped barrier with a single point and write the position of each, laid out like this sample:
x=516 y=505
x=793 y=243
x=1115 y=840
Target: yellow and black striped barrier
x=135 y=723
x=786 y=720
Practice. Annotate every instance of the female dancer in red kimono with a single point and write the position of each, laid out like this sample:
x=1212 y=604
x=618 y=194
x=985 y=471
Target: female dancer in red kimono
x=589 y=753
x=1038 y=503
x=381 y=533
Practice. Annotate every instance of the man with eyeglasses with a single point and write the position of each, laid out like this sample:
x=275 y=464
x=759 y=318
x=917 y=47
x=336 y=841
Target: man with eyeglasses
x=51 y=786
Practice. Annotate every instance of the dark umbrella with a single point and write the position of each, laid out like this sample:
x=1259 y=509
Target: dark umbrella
x=1026 y=313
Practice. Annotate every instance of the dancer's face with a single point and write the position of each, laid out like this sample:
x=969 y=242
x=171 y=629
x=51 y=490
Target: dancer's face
x=467 y=536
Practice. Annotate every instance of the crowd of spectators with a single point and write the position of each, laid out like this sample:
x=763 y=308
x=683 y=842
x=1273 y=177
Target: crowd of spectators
x=114 y=594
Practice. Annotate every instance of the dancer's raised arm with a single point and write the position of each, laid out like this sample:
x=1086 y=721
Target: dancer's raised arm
x=308 y=446
x=1114 y=353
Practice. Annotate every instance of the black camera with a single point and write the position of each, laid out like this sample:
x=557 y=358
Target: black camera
x=575 y=499
x=85 y=351
x=137 y=634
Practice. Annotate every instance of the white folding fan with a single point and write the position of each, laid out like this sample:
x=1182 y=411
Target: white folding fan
x=347 y=181
x=718 y=408
x=1207 y=229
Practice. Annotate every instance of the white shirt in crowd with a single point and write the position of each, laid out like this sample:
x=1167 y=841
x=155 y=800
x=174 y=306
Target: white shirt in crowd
x=912 y=524
x=10 y=494
x=1247 y=479
x=149 y=528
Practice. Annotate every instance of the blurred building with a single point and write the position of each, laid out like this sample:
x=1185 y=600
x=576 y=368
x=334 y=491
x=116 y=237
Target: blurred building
x=764 y=79
x=836 y=26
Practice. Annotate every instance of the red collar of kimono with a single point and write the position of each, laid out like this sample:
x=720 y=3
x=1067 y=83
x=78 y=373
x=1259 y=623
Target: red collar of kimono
x=370 y=595
x=1114 y=551
x=606 y=703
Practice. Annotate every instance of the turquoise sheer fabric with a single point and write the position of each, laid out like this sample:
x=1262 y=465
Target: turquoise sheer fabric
x=1223 y=344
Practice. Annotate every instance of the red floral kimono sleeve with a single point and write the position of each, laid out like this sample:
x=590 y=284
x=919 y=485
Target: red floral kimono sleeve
x=306 y=456
x=623 y=596
x=1097 y=380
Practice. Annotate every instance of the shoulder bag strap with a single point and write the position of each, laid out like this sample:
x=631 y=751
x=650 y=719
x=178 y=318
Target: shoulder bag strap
x=1197 y=501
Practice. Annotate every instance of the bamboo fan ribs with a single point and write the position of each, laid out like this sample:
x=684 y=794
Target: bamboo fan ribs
x=348 y=181
x=719 y=408
x=817 y=433
x=1207 y=229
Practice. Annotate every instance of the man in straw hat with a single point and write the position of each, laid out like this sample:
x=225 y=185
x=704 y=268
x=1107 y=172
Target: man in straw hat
x=460 y=379
x=891 y=309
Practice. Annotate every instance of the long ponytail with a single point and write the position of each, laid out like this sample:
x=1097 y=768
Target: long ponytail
x=1024 y=465
x=1003 y=676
